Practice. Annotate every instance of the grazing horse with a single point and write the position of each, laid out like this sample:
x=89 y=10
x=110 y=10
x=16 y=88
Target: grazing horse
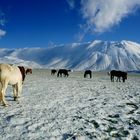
x=118 y=74
x=63 y=72
x=53 y=71
x=28 y=70
x=88 y=72
x=11 y=75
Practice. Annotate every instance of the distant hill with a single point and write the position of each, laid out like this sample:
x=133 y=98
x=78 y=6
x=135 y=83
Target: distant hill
x=97 y=55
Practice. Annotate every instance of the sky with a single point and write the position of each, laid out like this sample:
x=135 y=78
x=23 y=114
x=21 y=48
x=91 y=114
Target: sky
x=42 y=23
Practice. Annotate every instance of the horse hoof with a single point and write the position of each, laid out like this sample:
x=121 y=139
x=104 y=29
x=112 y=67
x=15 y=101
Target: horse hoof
x=15 y=98
x=6 y=105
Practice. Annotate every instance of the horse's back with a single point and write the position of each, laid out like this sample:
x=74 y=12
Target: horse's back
x=5 y=67
x=88 y=71
x=11 y=73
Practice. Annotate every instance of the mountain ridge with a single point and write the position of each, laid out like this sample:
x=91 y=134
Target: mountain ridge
x=96 y=55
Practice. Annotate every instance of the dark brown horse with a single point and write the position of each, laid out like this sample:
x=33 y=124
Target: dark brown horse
x=53 y=71
x=88 y=72
x=119 y=75
x=63 y=72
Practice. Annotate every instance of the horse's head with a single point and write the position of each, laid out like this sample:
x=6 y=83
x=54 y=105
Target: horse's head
x=28 y=71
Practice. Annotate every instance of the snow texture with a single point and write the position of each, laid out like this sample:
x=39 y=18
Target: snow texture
x=97 y=55
x=73 y=108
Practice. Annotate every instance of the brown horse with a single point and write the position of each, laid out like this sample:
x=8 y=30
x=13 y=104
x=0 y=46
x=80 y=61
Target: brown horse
x=28 y=70
x=119 y=75
x=22 y=70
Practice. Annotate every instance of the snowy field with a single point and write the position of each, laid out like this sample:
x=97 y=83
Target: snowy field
x=73 y=108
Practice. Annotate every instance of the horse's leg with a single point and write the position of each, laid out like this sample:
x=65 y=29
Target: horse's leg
x=4 y=87
x=15 y=90
x=84 y=75
x=0 y=96
x=117 y=79
x=0 y=92
x=123 y=79
x=112 y=78
x=19 y=89
x=90 y=76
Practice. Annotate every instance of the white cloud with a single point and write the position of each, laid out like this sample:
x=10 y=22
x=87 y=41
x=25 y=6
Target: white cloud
x=2 y=18
x=2 y=33
x=71 y=3
x=2 y=23
x=101 y=15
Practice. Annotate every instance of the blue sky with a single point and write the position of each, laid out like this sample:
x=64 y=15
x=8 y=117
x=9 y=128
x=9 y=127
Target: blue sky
x=40 y=23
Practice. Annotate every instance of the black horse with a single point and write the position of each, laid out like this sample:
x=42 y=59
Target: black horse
x=53 y=71
x=88 y=72
x=63 y=72
x=119 y=75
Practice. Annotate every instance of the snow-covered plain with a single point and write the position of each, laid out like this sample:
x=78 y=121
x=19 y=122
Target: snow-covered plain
x=58 y=108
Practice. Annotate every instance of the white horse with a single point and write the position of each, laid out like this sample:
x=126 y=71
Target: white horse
x=11 y=75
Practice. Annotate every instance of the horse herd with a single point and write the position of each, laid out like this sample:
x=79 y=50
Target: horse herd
x=113 y=73
x=15 y=76
x=61 y=72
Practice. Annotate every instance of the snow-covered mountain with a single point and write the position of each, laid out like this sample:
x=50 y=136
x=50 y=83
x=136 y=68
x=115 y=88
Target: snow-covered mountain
x=96 y=55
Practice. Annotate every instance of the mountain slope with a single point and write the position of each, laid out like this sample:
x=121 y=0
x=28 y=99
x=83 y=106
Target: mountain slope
x=96 y=55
